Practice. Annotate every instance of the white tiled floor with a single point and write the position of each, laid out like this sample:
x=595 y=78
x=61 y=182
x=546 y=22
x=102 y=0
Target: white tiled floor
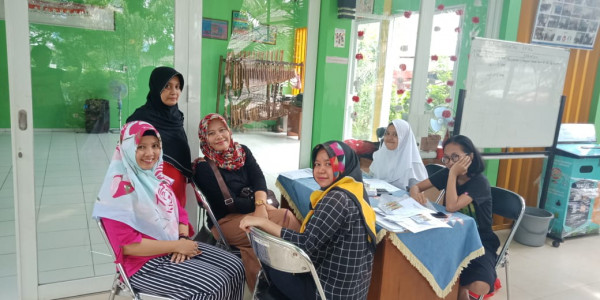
x=71 y=166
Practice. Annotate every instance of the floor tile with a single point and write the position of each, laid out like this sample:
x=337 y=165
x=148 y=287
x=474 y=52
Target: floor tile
x=7 y=214
x=58 y=275
x=8 y=265
x=8 y=286
x=8 y=244
x=57 y=222
x=63 y=239
x=7 y=228
x=61 y=258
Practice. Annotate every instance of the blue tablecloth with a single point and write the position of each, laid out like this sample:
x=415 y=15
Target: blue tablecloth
x=438 y=254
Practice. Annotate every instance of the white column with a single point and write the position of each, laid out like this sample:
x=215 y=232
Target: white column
x=19 y=83
x=308 y=102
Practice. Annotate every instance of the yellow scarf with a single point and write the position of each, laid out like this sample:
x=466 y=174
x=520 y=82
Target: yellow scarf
x=355 y=188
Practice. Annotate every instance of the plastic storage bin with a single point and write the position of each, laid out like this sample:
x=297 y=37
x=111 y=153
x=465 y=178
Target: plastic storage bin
x=573 y=192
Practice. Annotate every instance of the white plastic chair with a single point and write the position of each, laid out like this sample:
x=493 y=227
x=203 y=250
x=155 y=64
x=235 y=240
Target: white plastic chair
x=510 y=205
x=121 y=285
x=280 y=255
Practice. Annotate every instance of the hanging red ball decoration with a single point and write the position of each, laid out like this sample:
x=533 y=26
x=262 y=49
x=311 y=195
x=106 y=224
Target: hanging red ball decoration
x=475 y=20
x=446 y=114
x=434 y=57
x=450 y=82
x=361 y=34
x=407 y=14
x=400 y=91
x=459 y=12
x=448 y=100
x=403 y=67
x=440 y=7
x=355 y=98
x=359 y=56
x=453 y=58
x=429 y=100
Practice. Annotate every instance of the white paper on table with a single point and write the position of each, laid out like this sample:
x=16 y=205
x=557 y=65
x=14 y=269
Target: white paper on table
x=297 y=174
x=401 y=207
x=389 y=226
x=374 y=183
x=420 y=222
x=429 y=205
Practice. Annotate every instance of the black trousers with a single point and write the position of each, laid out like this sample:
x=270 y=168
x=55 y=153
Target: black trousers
x=293 y=286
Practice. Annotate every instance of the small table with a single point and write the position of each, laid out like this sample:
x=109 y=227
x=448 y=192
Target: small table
x=425 y=265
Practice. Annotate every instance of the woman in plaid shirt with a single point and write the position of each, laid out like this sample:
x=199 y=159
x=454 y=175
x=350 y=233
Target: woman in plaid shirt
x=338 y=233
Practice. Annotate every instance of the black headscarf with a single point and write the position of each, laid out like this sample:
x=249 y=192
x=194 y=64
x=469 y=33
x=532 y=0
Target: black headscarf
x=167 y=119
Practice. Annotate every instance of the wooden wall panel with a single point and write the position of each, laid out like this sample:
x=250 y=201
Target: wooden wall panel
x=522 y=175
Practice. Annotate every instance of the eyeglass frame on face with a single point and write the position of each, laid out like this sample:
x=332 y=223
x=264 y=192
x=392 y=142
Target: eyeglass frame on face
x=454 y=157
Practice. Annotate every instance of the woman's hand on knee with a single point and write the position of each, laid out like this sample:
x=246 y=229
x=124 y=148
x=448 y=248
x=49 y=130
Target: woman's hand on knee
x=178 y=257
x=185 y=248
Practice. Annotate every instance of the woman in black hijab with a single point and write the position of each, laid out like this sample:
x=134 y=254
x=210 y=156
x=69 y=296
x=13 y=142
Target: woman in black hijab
x=162 y=112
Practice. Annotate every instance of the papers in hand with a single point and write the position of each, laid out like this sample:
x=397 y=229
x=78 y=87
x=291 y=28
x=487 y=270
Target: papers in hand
x=404 y=213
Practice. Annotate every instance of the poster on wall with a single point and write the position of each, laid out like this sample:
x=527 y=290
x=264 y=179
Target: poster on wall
x=214 y=29
x=340 y=38
x=567 y=23
x=69 y=14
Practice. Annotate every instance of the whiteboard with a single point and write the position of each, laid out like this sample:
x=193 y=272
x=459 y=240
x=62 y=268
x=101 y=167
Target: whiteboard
x=513 y=93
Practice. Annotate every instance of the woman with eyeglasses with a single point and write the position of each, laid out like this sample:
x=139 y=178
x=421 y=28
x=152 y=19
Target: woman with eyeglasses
x=467 y=191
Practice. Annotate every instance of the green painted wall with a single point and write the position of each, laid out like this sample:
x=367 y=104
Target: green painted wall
x=330 y=85
x=70 y=65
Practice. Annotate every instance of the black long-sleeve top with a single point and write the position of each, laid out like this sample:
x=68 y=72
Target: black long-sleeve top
x=249 y=175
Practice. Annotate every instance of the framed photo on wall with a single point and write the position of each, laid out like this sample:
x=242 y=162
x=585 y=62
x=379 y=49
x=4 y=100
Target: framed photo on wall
x=265 y=34
x=570 y=23
x=215 y=29
x=240 y=23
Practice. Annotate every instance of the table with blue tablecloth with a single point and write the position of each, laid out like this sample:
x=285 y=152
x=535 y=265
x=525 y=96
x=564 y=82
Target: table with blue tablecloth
x=423 y=265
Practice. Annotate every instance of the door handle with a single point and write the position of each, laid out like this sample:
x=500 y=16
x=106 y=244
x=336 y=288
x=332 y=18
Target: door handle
x=22 y=119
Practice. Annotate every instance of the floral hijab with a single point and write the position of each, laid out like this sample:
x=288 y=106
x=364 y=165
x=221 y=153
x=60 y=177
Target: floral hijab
x=231 y=159
x=142 y=199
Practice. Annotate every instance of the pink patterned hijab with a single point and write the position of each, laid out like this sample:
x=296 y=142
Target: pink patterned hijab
x=231 y=159
x=142 y=199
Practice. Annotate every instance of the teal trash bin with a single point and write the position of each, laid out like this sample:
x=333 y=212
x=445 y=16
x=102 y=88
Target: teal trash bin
x=534 y=227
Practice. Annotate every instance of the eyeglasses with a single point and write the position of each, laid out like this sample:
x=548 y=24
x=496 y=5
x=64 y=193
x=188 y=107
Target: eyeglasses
x=454 y=158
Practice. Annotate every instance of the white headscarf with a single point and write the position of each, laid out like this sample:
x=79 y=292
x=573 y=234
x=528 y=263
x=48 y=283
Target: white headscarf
x=142 y=199
x=399 y=165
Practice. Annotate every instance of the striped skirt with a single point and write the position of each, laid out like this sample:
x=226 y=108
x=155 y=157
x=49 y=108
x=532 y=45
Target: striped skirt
x=214 y=274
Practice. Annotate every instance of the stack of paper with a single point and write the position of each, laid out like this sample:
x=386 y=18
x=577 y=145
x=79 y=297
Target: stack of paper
x=398 y=214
